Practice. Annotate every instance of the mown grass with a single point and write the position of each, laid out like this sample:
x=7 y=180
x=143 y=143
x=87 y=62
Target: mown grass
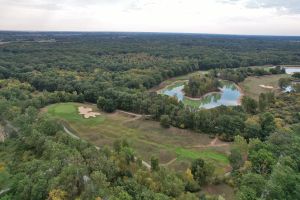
x=250 y=85
x=206 y=154
x=148 y=138
x=69 y=112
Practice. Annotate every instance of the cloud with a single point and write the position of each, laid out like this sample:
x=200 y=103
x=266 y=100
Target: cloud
x=214 y=16
x=283 y=6
x=55 y=4
x=288 y=6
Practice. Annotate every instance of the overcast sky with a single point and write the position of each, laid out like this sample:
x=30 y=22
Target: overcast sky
x=263 y=17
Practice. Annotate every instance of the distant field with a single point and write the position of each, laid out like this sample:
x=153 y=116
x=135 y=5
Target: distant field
x=251 y=86
x=174 y=147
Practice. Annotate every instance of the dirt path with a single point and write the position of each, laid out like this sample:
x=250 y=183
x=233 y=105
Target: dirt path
x=2 y=138
x=4 y=191
x=70 y=133
x=132 y=119
x=214 y=143
x=132 y=114
x=144 y=163
x=170 y=162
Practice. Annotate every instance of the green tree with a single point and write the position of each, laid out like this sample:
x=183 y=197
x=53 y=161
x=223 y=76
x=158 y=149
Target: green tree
x=252 y=129
x=165 y=121
x=201 y=171
x=249 y=105
x=262 y=161
x=267 y=123
x=106 y=104
x=284 y=82
x=262 y=102
x=154 y=164
x=236 y=159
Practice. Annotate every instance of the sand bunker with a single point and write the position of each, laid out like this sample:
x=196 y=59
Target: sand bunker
x=87 y=112
x=266 y=86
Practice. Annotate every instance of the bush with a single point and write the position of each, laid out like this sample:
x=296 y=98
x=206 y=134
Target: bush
x=165 y=121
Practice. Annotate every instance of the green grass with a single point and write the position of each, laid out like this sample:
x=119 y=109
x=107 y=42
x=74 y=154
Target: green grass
x=148 y=138
x=250 y=85
x=206 y=155
x=192 y=103
x=69 y=112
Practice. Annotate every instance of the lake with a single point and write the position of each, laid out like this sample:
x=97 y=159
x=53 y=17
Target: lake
x=229 y=95
x=291 y=70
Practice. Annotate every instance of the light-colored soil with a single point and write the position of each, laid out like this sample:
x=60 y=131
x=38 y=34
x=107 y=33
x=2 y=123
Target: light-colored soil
x=214 y=143
x=266 y=86
x=2 y=134
x=170 y=162
x=87 y=112
x=1 y=137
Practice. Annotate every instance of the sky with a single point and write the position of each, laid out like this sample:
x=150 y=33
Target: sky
x=250 y=17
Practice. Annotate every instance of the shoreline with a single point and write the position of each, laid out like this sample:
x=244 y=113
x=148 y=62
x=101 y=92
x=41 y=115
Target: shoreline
x=173 y=83
x=239 y=100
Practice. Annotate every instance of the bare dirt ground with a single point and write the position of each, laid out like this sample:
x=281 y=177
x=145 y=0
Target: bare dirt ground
x=2 y=135
x=133 y=116
x=87 y=112
x=214 y=143
x=170 y=162
x=266 y=86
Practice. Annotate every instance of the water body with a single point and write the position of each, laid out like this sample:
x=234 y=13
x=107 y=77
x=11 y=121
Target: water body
x=291 y=70
x=229 y=95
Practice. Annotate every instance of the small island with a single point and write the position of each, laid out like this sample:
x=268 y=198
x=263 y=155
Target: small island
x=198 y=86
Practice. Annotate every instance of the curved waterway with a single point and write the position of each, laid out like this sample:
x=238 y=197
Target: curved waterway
x=229 y=95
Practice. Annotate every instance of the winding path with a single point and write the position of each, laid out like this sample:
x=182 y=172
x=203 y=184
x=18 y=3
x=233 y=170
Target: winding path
x=214 y=143
x=144 y=163
x=170 y=162
x=4 y=191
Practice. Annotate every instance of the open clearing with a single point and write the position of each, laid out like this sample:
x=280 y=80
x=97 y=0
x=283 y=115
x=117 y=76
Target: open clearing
x=174 y=147
x=252 y=86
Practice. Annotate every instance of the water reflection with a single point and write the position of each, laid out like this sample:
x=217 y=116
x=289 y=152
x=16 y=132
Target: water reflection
x=291 y=70
x=228 y=96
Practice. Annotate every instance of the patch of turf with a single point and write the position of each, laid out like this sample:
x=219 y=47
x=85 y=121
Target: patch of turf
x=69 y=112
x=251 y=85
x=185 y=153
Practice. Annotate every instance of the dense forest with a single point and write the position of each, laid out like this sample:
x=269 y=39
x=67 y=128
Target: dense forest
x=115 y=70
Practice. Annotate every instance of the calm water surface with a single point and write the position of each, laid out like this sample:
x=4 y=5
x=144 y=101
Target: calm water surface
x=228 y=96
x=291 y=70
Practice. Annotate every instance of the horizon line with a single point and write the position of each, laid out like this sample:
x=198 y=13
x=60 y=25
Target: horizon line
x=152 y=32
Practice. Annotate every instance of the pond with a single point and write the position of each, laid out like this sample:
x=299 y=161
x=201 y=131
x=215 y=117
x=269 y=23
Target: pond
x=229 y=95
x=291 y=70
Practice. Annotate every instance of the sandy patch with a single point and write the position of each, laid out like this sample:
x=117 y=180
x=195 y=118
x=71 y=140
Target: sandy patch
x=2 y=134
x=266 y=86
x=87 y=112
x=214 y=143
